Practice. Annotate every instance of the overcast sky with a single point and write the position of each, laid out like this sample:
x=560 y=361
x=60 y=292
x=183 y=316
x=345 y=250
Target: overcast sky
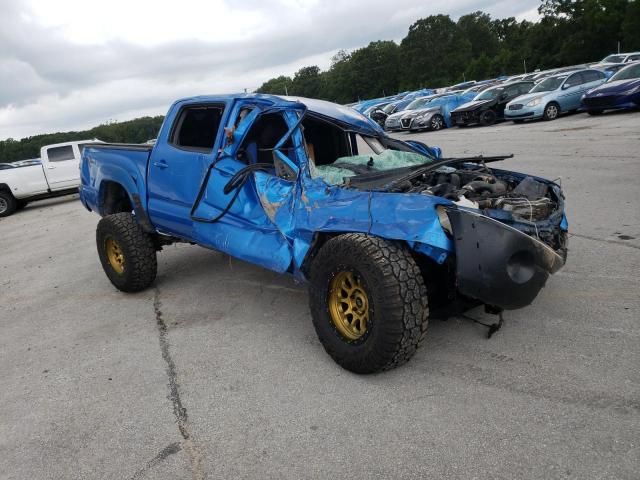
x=73 y=64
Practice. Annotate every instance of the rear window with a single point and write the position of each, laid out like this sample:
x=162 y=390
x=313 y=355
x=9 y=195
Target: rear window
x=196 y=127
x=60 y=154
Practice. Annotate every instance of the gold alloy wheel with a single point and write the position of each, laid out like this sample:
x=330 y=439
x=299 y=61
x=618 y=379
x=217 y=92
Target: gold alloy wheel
x=348 y=305
x=115 y=255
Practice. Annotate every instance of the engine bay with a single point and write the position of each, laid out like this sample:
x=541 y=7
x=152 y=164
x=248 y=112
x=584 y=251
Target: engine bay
x=526 y=199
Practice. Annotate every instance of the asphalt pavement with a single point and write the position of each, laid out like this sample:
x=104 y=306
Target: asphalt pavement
x=216 y=372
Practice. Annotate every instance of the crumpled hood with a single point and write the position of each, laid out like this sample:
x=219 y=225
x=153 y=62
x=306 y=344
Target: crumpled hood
x=470 y=106
x=617 y=87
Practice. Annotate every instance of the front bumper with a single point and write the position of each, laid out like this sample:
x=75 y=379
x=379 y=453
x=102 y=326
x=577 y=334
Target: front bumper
x=611 y=102
x=465 y=118
x=497 y=264
x=520 y=112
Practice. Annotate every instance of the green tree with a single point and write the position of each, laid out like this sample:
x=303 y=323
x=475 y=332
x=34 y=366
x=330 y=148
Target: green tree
x=307 y=82
x=276 y=86
x=631 y=27
x=434 y=53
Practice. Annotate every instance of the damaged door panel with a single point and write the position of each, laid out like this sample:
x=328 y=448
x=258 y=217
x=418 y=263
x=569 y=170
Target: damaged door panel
x=378 y=227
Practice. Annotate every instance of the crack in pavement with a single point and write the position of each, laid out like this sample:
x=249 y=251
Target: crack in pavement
x=188 y=444
x=167 y=451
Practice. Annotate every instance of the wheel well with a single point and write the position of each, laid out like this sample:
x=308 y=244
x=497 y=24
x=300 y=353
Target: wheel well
x=439 y=278
x=5 y=188
x=553 y=102
x=115 y=199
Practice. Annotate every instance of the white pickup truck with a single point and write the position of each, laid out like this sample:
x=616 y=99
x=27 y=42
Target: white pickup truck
x=56 y=173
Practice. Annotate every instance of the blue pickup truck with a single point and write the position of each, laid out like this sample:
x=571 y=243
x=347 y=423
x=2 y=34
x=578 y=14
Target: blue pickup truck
x=386 y=233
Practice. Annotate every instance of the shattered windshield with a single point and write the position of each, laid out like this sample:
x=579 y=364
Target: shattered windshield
x=628 y=73
x=372 y=157
x=548 y=85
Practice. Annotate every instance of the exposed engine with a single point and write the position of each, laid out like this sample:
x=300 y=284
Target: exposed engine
x=527 y=200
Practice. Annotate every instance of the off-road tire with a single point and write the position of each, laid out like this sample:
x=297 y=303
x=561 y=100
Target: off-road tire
x=398 y=309
x=488 y=117
x=548 y=111
x=8 y=203
x=140 y=262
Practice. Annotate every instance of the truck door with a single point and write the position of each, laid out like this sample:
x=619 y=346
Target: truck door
x=251 y=221
x=178 y=164
x=61 y=166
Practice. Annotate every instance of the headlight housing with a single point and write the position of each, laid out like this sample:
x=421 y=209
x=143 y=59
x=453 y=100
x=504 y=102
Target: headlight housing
x=535 y=102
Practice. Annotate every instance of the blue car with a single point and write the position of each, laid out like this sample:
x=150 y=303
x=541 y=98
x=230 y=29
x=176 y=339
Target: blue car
x=383 y=231
x=554 y=95
x=436 y=114
x=621 y=91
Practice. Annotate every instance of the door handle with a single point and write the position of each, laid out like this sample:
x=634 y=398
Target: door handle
x=161 y=164
x=51 y=167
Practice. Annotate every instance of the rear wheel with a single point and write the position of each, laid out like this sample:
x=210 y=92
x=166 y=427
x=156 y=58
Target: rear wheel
x=368 y=302
x=551 y=111
x=488 y=117
x=436 y=123
x=8 y=204
x=127 y=253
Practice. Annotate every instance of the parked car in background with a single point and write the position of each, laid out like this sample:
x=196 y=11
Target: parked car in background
x=392 y=123
x=620 y=91
x=554 y=95
x=56 y=173
x=460 y=86
x=436 y=114
x=621 y=58
x=488 y=106
x=610 y=69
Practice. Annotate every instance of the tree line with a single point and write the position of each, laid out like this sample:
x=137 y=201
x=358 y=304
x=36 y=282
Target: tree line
x=438 y=51
x=134 y=131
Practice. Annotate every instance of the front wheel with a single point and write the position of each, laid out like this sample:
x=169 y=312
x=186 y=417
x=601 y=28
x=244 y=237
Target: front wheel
x=551 y=111
x=436 y=123
x=368 y=302
x=127 y=253
x=8 y=204
x=488 y=117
